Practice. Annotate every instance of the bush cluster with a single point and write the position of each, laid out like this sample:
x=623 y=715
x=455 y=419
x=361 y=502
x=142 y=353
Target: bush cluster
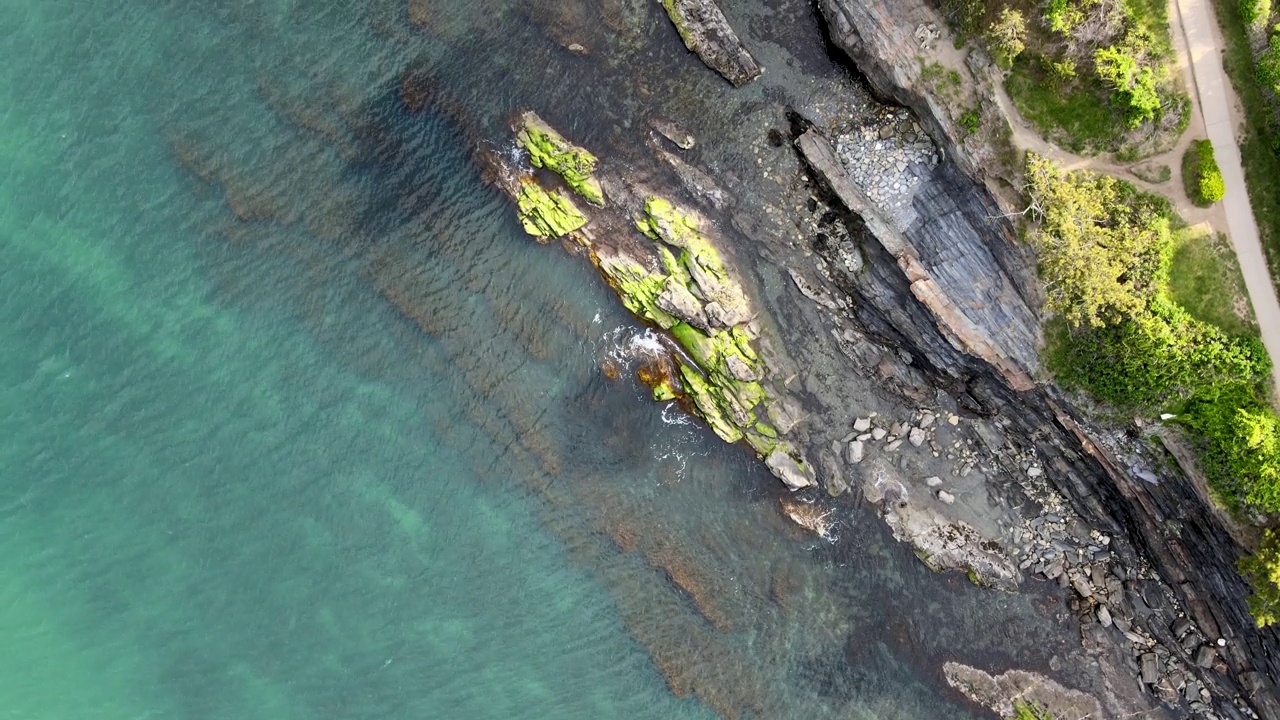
x=1104 y=251
x=1201 y=175
x=1263 y=571
x=1255 y=13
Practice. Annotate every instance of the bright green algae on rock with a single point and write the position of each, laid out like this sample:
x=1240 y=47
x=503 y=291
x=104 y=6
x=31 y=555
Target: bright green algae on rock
x=545 y=214
x=699 y=260
x=638 y=288
x=548 y=149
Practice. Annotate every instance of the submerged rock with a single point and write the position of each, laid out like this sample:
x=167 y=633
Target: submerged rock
x=706 y=32
x=1017 y=690
x=678 y=136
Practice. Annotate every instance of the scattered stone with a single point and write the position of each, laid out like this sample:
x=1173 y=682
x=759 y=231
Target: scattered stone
x=1205 y=656
x=1104 y=616
x=788 y=470
x=854 y=452
x=893 y=446
x=953 y=419
x=879 y=433
x=916 y=437
x=862 y=424
x=927 y=420
x=680 y=137
x=1034 y=471
x=934 y=481
x=1150 y=668
x=946 y=497
x=1081 y=585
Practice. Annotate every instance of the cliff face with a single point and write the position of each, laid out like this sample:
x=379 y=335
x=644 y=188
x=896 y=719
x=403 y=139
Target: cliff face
x=955 y=291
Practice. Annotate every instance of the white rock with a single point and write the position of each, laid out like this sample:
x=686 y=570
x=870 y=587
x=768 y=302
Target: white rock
x=893 y=445
x=916 y=437
x=1034 y=471
x=879 y=433
x=934 y=481
x=946 y=497
x=927 y=420
x=862 y=424
x=853 y=453
x=953 y=419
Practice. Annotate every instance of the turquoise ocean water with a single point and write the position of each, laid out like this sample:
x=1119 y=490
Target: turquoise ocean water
x=296 y=423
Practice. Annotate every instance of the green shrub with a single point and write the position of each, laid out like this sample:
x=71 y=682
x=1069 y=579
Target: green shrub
x=1023 y=710
x=1263 y=571
x=1201 y=175
x=1268 y=69
x=1133 y=84
x=1062 y=16
x=971 y=120
x=1255 y=12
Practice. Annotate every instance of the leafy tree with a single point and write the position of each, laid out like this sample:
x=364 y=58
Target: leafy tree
x=1006 y=37
x=1133 y=85
x=1099 y=254
x=1255 y=13
x=1063 y=15
x=966 y=14
x=1263 y=570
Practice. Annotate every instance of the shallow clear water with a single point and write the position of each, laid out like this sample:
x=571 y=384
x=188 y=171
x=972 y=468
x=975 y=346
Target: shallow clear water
x=298 y=424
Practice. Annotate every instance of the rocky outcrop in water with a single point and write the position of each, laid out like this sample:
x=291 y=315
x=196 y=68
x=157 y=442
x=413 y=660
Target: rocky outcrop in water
x=705 y=31
x=665 y=263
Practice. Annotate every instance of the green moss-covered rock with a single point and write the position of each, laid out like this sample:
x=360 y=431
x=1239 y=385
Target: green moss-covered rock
x=709 y=404
x=638 y=288
x=547 y=215
x=548 y=149
x=663 y=392
x=726 y=303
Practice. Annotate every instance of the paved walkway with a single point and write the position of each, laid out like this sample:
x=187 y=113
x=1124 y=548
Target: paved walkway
x=1210 y=86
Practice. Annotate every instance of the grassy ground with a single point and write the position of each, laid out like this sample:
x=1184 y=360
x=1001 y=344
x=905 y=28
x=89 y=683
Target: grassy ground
x=1079 y=116
x=1205 y=279
x=1261 y=166
x=1153 y=17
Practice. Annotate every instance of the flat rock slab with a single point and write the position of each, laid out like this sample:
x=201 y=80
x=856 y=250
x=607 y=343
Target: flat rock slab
x=706 y=32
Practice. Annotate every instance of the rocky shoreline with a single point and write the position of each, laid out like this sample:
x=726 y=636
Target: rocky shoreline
x=909 y=274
